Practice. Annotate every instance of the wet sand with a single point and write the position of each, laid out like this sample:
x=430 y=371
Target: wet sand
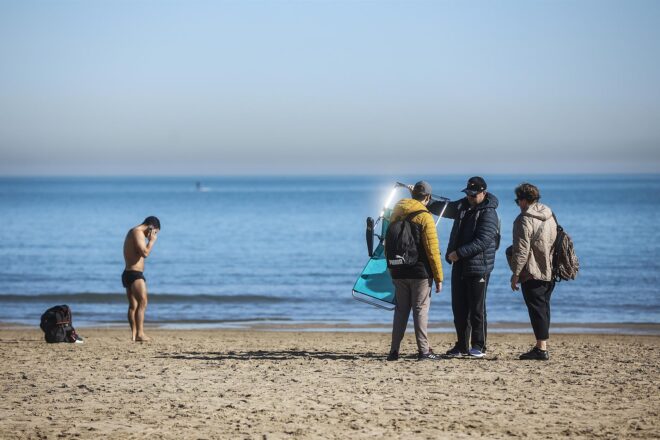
x=206 y=384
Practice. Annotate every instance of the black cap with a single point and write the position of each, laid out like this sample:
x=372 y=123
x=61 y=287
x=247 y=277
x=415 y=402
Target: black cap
x=475 y=185
x=422 y=188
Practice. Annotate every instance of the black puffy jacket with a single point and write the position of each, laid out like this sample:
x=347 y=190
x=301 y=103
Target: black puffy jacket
x=474 y=235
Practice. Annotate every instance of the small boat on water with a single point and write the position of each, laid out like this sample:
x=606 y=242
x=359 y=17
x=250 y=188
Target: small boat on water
x=201 y=188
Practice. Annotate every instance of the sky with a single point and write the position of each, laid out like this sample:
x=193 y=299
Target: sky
x=329 y=87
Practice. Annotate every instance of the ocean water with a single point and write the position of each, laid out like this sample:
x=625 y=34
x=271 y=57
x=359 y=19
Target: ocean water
x=288 y=249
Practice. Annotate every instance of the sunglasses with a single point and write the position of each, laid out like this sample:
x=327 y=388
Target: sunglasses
x=517 y=201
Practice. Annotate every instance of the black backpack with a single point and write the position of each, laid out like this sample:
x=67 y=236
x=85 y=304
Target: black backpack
x=402 y=242
x=56 y=323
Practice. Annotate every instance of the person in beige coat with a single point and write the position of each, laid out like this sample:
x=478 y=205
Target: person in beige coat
x=534 y=234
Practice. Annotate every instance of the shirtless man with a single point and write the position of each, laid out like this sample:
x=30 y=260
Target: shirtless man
x=137 y=246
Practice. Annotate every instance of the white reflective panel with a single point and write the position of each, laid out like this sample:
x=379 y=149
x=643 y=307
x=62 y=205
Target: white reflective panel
x=389 y=200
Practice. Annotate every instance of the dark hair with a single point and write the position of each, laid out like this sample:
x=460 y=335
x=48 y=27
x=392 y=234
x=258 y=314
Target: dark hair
x=527 y=191
x=152 y=221
x=419 y=196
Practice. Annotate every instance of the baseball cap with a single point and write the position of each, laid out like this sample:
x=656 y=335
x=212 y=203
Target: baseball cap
x=475 y=185
x=422 y=187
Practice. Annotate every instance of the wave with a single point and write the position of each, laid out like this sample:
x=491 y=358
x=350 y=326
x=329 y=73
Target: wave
x=159 y=298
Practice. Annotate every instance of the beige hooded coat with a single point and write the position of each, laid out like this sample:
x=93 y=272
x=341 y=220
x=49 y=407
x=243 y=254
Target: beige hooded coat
x=534 y=234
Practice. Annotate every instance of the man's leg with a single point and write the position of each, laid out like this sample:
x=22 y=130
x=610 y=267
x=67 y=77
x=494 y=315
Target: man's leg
x=421 y=302
x=485 y=315
x=548 y=293
x=132 y=309
x=537 y=300
x=459 y=309
x=476 y=292
x=139 y=289
x=401 y=312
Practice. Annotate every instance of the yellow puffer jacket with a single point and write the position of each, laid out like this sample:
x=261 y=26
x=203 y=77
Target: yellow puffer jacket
x=429 y=233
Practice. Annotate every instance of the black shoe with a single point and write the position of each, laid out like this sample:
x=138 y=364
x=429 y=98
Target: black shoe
x=455 y=352
x=535 y=354
x=430 y=356
x=393 y=356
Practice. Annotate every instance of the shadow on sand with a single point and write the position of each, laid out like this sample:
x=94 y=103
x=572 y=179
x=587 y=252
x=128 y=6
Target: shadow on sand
x=285 y=355
x=276 y=355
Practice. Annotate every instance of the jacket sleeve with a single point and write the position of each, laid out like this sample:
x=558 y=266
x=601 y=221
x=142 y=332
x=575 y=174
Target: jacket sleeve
x=522 y=234
x=432 y=246
x=484 y=235
x=436 y=206
x=451 y=245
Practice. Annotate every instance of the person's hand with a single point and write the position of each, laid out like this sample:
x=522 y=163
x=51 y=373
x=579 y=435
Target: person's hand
x=438 y=287
x=453 y=257
x=514 y=283
x=410 y=188
x=153 y=235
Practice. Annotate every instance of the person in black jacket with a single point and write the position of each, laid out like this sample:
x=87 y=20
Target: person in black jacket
x=471 y=251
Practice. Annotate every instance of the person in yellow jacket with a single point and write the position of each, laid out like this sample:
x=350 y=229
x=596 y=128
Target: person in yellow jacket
x=413 y=284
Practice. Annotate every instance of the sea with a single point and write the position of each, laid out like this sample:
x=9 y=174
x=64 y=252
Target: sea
x=285 y=252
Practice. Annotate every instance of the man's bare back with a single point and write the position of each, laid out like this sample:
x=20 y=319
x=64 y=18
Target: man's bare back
x=134 y=244
x=137 y=246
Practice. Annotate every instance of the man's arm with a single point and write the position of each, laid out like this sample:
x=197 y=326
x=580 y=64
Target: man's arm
x=485 y=234
x=436 y=206
x=144 y=249
x=522 y=234
x=432 y=249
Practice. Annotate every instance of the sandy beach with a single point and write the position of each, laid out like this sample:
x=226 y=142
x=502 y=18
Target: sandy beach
x=266 y=385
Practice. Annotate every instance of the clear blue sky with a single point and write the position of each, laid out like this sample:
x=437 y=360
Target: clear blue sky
x=195 y=87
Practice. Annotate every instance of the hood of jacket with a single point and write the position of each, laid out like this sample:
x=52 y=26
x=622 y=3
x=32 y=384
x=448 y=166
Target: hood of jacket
x=538 y=211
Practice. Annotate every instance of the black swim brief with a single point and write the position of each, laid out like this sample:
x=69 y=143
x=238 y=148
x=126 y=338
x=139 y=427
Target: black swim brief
x=129 y=277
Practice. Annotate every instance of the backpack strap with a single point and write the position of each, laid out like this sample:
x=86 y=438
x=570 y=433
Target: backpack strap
x=412 y=215
x=559 y=228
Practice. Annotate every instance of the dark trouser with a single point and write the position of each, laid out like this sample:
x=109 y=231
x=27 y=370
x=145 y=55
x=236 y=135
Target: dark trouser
x=468 y=303
x=537 y=297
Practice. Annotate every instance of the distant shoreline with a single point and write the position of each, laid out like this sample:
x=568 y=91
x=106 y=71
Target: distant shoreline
x=624 y=328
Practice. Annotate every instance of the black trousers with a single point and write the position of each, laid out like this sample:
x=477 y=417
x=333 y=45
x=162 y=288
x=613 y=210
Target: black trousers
x=468 y=303
x=537 y=297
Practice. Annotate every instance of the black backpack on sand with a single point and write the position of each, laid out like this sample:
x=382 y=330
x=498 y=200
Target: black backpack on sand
x=56 y=323
x=402 y=242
